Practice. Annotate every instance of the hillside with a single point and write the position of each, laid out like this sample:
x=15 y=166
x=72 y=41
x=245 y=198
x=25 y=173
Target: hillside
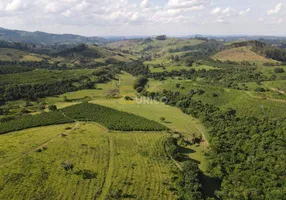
x=240 y=54
x=46 y=38
x=93 y=54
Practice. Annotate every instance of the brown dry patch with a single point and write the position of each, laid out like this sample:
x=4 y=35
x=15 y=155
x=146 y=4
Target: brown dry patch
x=240 y=54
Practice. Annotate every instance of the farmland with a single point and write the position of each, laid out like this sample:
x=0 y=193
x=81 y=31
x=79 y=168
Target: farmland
x=110 y=118
x=151 y=118
x=101 y=169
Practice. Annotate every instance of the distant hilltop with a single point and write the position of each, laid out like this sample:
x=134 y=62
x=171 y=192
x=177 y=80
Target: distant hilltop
x=46 y=38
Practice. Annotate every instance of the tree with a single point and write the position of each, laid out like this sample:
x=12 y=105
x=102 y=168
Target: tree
x=161 y=37
x=279 y=70
x=52 y=107
x=141 y=81
x=162 y=119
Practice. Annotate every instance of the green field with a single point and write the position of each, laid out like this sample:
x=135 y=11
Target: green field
x=7 y=54
x=175 y=119
x=243 y=101
x=103 y=164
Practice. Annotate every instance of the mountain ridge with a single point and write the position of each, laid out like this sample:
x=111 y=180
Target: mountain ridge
x=43 y=38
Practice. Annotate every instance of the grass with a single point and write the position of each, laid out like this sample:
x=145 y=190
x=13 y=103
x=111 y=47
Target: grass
x=158 y=46
x=243 y=101
x=240 y=54
x=8 y=54
x=176 y=120
x=143 y=173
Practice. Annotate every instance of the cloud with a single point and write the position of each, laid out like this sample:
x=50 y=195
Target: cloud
x=220 y=20
x=227 y=11
x=261 y=19
x=275 y=10
x=51 y=8
x=15 y=5
x=216 y=10
x=67 y=13
x=279 y=21
x=184 y=4
x=244 y=12
x=144 y=4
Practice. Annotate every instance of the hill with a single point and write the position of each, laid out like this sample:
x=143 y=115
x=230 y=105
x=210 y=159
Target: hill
x=93 y=54
x=46 y=38
x=240 y=54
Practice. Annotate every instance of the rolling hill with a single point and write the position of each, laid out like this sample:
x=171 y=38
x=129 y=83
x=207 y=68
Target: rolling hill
x=46 y=38
x=240 y=54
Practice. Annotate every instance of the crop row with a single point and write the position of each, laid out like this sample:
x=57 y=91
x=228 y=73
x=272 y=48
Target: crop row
x=108 y=117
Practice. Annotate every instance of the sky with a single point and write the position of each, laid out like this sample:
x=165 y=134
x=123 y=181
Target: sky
x=146 y=17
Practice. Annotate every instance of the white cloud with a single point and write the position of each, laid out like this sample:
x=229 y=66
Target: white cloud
x=216 y=10
x=135 y=16
x=261 y=19
x=52 y=8
x=244 y=12
x=227 y=11
x=279 y=21
x=15 y=5
x=82 y=6
x=67 y=13
x=144 y=4
x=179 y=4
x=275 y=10
x=220 y=20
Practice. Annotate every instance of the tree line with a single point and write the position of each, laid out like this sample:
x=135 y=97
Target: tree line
x=247 y=153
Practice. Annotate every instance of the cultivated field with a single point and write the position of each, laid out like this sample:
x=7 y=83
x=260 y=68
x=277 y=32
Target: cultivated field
x=103 y=165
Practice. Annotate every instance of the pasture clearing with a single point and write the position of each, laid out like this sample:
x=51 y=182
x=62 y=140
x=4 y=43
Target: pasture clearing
x=240 y=54
x=243 y=101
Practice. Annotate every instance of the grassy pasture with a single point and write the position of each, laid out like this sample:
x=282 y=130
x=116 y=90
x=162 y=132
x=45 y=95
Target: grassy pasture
x=8 y=54
x=240 y=54
x=243 y=101
x=157 y=46
x=143 y=173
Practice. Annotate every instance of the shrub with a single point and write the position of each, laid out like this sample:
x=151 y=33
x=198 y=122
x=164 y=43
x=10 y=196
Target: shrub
x=128 y=98
x=139 y=89
x=200 y=91
x=52 y=108
x=67 y=166
x=279 y=70
x=260 y=89
x=162 y=119
x=141 y=81
x=87 y=174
